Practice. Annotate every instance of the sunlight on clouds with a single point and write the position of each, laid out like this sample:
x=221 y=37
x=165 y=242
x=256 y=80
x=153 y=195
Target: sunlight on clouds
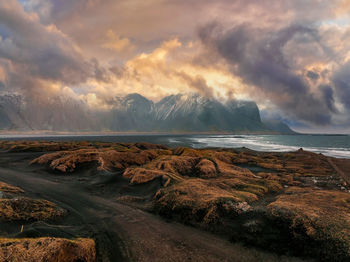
x=41 y=7
x=343 y=8
x=117 y=43
x=94 y=102
x=2 y=74
x=168 y=69
x=156 y=57
x=296 y=56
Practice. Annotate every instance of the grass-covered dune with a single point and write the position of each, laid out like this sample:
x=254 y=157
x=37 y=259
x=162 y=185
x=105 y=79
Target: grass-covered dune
x=294 y=203
x=18 y=209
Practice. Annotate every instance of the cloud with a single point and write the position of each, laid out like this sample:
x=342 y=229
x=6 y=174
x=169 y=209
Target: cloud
x=312 y=75
x=34 y=52
x=341 y=80
x=292 y=56
x=117 y=43
x=257 y=56
x=41 y=7
x=168 y=69
x=198 y=83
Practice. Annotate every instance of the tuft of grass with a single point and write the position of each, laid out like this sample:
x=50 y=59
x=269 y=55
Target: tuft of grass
x=47 y=249
x=27 y=209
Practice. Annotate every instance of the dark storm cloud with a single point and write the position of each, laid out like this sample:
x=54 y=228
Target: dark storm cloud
x=40 y=52
x=312 y=75
x=198 y=83
x=118 y=71
x=328 y=96
x=292 y=53
x=257 y=56
x=341 y=80
x=100 y=73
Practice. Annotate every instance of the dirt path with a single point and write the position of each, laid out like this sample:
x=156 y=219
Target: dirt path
x=123 y=233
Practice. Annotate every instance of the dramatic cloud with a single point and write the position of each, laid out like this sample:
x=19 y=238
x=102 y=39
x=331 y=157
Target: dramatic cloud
x=341 y=80
x=166 y=70
x=257 y=57
x=32 y=53
x=292 y=57
x=297 y=65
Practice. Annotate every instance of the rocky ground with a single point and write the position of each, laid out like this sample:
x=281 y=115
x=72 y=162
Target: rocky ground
x=270 y=206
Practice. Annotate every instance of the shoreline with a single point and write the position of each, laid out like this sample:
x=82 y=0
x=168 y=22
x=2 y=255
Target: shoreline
x=46 y=133
x=262 y=143
x=110 y=133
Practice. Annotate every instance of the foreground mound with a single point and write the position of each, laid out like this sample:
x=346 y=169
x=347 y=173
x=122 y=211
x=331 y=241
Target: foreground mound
x=296 y=203
x=116 y=157
x=317 y=220
x=27 y=209
x=47 y=249
x=14 y=207
x=209 y=201
x=6 y=188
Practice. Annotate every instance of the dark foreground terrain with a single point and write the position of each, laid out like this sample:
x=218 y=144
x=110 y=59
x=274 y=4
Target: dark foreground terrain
x=143 y=202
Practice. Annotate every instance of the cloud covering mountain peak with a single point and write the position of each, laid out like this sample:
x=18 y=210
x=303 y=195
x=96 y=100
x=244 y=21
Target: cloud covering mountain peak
x=291 y=57
x=133 y=113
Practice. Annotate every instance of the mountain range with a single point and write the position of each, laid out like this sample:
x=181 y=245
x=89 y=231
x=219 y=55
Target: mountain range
x=136 y=113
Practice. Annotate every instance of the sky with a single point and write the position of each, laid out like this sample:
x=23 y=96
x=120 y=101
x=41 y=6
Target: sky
x=291 y=57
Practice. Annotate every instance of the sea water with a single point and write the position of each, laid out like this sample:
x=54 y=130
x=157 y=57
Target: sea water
x=331 y=145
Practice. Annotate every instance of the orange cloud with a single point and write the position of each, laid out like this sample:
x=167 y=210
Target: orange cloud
x=117 y=43
x=168 y=69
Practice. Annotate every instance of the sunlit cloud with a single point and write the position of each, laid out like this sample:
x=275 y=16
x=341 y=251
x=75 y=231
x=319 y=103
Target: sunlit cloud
x=292 y=57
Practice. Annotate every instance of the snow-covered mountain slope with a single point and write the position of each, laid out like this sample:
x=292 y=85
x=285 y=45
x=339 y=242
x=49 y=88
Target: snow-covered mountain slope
x=192 y=112
x=12 y=113
x=56 y=113
x=133 y=112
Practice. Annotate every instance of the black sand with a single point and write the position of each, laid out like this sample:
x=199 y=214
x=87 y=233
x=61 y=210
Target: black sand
x=121 y=232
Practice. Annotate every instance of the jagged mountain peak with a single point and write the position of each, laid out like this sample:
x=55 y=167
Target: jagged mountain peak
x=133 y=103
x=180 y=105
x=135 y=98
x=189 y=112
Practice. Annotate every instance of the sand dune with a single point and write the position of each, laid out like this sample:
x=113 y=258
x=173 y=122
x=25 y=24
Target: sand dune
x=210 y=201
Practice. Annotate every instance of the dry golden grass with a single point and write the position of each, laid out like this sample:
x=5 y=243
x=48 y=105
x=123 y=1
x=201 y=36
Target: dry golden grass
x=182 y=167
x=112 y=159
x=199 y=200
x=301 y=162
x=320 y=216
x=41 y=146
x=141 y=175
x=106 y=159
x=232 y=170
x=210 y=186
x=27 y=209
x=47 y=146
x=205 y=200
x=206 y=168
x=47 y=249
x=10 y=189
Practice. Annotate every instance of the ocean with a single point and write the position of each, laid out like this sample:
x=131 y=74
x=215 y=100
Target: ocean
x=330 y=145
